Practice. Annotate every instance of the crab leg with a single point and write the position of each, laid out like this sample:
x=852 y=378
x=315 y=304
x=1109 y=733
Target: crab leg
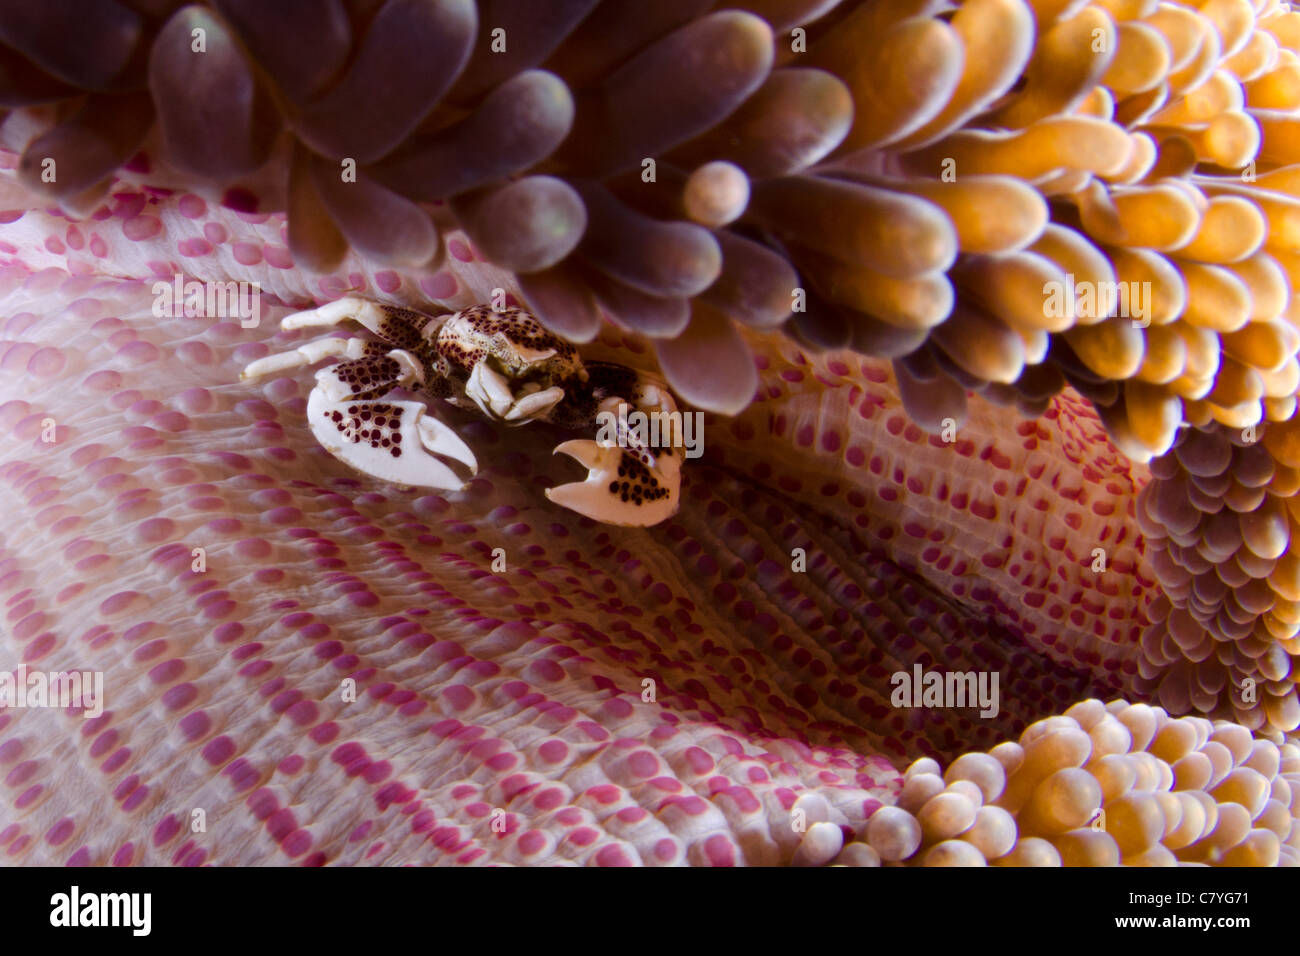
x=397 y=326
x=306 y=354
x=332 y=313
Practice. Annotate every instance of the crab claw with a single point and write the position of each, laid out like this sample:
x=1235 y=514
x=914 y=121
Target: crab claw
x=626 y=486
x=389 y=440
x=490 y=391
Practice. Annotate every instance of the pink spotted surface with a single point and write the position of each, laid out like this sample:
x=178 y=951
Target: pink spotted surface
x=347 y=680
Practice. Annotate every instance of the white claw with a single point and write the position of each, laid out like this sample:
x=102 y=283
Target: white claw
x=442 y=440
x=413 y=465
x=489 y=391
x=594 y=498
x=536 y=404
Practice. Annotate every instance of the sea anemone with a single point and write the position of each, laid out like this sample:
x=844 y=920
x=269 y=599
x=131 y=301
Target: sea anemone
x=833 y=222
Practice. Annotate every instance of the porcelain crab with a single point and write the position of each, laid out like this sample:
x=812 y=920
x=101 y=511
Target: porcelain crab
x=503 y=363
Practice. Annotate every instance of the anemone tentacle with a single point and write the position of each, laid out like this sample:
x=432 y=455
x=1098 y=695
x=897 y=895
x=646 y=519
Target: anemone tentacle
x=903 y=179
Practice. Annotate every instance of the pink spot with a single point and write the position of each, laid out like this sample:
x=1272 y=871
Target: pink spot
x=546 y=669
x=719 y=851
x=553 y=751
x=459 y=696
x=442 y=285
x=643 y=763
x=278 y=256
x=612 y=856
x=154 y=530
x=219 y=750
x=192 y=206
x=140 y=228
x=139 y=352
x=194 y=247
x=118 y=603
x=247 y=253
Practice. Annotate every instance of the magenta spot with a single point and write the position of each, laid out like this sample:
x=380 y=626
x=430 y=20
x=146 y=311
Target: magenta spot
x=616 y=707
x=291 y=764
x=195 y=725
x=459 y=696
x=139 y=353
x=228 y=632
x=119 y=602
x=39 y=647
x=192 y=206
x=115 y=763
x=460 y=250
x=643 y=763
x=154 y=530
x=60 y=832
x=182 y=695
x=103 y=381
x=171 y=421
x=104 y=743
x=612 y=856
x=296 y=843
x=136 y=798
x=21 y=773
x=166 y=830
x=442 y=285
x=128 y=205
x=253 y=548
x=243 y=775
x=46 y=363
x=139 y=228
x=219 y=750
x=277 y=256
x=546 y=669
x=719 y=851
x=194 y=247
x=167 y=671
